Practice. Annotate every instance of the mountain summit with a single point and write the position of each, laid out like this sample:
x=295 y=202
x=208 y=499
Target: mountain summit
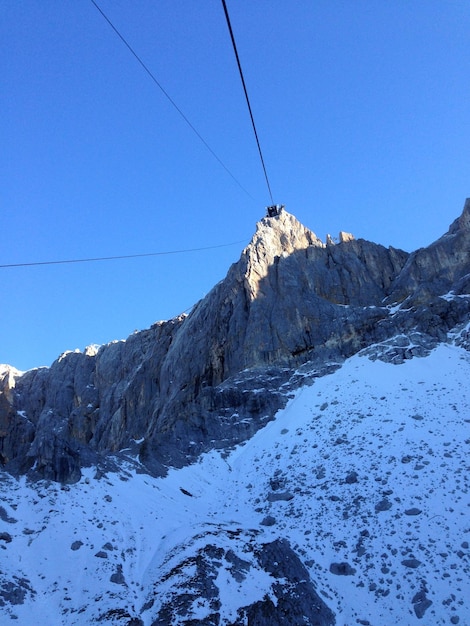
x=291 y=452
x=191 y=384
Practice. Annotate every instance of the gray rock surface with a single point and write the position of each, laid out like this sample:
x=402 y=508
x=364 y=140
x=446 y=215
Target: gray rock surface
x=290 y=601
x=342 y=569
x=290 y=309
x=442 y=267
x=296 y=601
x=421 y=603
x=14 y=591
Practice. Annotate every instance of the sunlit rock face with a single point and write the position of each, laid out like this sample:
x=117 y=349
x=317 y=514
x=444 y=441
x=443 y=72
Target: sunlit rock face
x=213 y=378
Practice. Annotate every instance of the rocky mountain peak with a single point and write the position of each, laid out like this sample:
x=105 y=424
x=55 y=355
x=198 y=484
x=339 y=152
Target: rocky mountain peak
x=212 y=378
x=8 y=376
x=275 y=237
x=281 y=235
x=341 y=457
x=343 y=237
x=462 y=222
x=440 y=268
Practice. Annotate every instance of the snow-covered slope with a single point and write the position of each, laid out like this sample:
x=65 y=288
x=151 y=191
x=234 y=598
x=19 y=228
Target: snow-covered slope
x=360 y=484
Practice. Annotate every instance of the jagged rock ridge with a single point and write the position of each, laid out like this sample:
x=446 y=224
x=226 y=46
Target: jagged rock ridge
x=214 y=377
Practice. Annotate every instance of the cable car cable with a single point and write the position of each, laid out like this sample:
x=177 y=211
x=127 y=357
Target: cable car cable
x=169 y=98
x=121 y=256
x=246 y=96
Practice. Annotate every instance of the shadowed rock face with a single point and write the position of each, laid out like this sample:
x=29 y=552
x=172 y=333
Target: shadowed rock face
x=441 y=267
x=292 y=599
x=212 y=378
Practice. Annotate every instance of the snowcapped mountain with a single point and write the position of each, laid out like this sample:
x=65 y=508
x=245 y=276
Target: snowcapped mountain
x=295 y=451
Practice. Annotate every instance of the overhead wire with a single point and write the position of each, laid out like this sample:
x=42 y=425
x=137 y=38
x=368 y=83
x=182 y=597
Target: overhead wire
x=192 y=127
x=188 y=122
x=232 y=36
x=120 y=256
x=169 y=98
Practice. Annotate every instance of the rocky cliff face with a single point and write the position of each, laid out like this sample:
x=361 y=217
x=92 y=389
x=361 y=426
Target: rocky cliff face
x=292 y=307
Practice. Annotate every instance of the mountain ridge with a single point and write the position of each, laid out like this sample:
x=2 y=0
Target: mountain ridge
x=292 y=452
x=289 y=301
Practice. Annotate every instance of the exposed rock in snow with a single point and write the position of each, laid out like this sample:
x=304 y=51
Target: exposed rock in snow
x=194 y=547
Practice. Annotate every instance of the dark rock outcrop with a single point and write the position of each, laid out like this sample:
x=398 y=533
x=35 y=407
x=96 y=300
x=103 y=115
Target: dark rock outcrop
x=289 y=309
x=442 y=267
x=295 y=600
x=289 y=600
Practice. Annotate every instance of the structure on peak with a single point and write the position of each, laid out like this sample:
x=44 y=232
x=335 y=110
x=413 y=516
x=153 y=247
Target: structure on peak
x=274 y=210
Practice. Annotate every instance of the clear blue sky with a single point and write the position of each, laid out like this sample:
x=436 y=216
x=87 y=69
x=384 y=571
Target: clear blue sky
x=362 y=109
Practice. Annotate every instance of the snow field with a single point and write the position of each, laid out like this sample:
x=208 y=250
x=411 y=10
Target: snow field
x=365 y=473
